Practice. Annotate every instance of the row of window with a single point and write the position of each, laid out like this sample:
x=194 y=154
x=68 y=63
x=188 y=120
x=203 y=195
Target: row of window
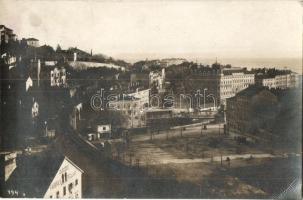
x=70 y=187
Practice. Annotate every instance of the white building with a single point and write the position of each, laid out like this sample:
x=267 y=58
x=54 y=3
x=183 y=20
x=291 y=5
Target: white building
x=32 y=42
x=282 y=81
x=232 y=81
x=157 y=79
x=103 y=129
x=28 y=83
x=35 y=109
x=50 y=63
x=45 y=176
x=67 y=183
x=132 y=108
x=58 y=77
x=6 y=35
x=142 y=96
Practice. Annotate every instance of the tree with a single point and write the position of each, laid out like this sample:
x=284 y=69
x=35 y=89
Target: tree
x=58 y=49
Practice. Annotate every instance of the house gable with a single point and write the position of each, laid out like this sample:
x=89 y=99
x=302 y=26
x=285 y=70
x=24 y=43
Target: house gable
x=67 y=182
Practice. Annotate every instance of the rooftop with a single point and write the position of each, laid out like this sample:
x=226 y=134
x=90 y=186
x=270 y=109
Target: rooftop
x=252 y=90
x=32 y=39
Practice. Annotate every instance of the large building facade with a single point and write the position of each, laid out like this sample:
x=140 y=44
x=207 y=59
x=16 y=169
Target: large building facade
x=223 y=82
x=232 y=81
x=281 y=81
x=251 y=112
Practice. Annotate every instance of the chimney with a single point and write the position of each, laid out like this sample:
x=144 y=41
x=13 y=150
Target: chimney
x=163 y=73
x=75 y=57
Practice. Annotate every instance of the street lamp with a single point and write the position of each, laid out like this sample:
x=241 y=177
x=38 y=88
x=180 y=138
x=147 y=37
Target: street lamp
x=204 y=97
x=212 y=96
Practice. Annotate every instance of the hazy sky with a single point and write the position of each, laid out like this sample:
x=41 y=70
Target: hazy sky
x=132 y=29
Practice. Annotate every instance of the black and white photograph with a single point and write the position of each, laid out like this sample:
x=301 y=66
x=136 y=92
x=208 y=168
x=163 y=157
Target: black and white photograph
x=138 y=99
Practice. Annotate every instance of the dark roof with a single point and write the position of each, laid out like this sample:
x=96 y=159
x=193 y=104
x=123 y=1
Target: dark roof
x=35 y=173
x=252 y=90
x=229 y=71
x=32 y=39
x=5 y=27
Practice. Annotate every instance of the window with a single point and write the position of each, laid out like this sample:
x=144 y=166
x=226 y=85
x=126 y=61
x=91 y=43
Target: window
x=57 y=194
x=104 y=128
x=65 y=175
x=70 y=187
x=64 y=191
x=76 y=182
x=50 y=196
x=62 y=177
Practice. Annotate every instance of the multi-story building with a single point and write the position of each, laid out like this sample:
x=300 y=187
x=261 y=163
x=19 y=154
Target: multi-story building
x=232 y=81
x=282 y=80
x=132 y=108
x=6 y=35
x=142 y=96
x=32 y=42
x=251 y=111
x=220 y=82
x=139 y=80
x=58 y=77
x=157 y=79
x=44 y=176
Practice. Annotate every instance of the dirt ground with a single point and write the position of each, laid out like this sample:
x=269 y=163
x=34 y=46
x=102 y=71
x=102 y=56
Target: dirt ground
x=244 y=178
x=187 y=159
x=207 y=146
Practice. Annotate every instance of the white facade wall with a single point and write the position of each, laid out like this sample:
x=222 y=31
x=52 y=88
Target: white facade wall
x=106 y=128
x=28 y=83
x=67 y=183
x=230 y=85
x=58 y=77
x=281 y=81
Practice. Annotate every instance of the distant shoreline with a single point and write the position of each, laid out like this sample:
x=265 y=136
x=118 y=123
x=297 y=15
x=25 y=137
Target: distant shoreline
x=294 y=64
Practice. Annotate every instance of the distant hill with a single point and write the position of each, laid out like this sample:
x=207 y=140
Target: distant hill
x=150 y=65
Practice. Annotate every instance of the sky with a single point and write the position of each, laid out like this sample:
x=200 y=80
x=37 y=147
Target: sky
x=134 y=29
